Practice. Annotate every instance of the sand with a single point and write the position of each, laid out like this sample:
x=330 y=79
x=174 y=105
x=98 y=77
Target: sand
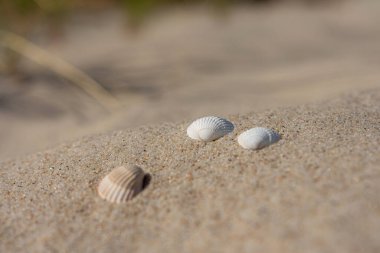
x=316 y=190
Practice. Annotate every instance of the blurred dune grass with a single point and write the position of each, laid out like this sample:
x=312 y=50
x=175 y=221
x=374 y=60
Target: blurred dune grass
x=16 y=13
x=22 y=17
x=19 y=12
x=19 y=18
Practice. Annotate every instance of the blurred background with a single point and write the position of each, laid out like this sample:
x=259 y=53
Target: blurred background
x=78 y=67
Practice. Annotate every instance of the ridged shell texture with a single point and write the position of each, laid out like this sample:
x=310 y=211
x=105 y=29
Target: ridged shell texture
x=122 y=184
x=209 y=128
x=258 y=138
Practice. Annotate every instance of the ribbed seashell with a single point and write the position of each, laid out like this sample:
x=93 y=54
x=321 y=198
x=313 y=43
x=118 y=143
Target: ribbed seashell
x=122 y=184
x=258 y=138
x=209 y=128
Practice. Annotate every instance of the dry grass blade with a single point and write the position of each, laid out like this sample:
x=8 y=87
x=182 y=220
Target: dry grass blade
x=62 y=68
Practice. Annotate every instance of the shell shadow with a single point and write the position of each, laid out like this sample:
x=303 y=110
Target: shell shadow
x=146 y=181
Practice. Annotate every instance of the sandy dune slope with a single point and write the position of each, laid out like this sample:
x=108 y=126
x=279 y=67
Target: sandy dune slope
x=316 y=190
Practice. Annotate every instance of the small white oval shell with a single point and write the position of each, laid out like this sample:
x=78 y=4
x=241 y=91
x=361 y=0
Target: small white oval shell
x=258 y=138
x=122 y=184
x=209 y=128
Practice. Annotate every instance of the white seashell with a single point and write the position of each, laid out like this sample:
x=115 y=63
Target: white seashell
x=209 y=128
x=258 y=138
x=122 y=184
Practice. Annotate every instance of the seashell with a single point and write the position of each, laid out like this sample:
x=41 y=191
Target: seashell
x=209 y=128
x=258 y=138
x=122 y=184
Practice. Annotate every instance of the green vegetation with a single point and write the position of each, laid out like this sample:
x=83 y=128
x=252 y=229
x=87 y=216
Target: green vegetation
x=17 y=15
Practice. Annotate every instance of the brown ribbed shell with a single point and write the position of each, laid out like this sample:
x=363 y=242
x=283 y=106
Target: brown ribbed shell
x=122 y=184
